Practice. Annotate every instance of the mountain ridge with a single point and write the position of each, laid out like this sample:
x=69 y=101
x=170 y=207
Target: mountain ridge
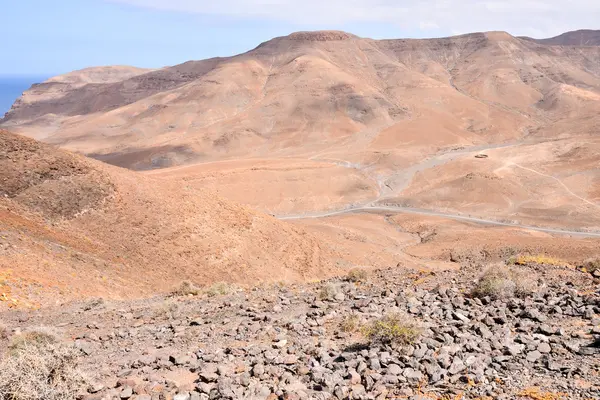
x=383 y=116
x=581 y=37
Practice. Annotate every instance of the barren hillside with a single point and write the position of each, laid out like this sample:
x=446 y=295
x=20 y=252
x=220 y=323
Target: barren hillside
x=84 y=228
x=317 y=92
x=583 y=37
x=483 y=125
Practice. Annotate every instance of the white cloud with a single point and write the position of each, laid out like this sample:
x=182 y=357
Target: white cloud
x=426 y=25
x=522 y=17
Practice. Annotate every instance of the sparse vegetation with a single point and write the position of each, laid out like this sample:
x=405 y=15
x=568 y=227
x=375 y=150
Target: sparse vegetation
x=349 y=324
x=4 y=333
x=168 y=309
x=541 y=259
x=220 y=289
x=591 y=265
x=535 y=393
x=38 y=366
x=393 y=328
x=328 y=291
x=358 y=275
x=39 y=337
x=500 y=282
x=186 y=288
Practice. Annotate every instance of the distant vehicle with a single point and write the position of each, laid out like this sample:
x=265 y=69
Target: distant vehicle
x=481 y=156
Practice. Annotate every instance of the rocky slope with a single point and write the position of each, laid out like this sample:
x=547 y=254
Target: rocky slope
x=312 y=341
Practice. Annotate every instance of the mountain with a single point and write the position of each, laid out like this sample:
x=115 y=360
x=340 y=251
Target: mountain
x=88 y=229
x=310 y=91
x=583 y=37
x=321 y=121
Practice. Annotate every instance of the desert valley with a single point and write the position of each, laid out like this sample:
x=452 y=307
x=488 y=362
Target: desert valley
x=238 y=227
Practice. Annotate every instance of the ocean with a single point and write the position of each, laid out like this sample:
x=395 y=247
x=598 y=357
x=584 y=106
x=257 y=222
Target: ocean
x=11 y=87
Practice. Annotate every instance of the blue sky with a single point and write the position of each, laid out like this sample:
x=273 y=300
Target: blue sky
x=46 y=37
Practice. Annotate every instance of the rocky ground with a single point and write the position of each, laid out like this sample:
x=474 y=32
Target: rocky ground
x=315 y=341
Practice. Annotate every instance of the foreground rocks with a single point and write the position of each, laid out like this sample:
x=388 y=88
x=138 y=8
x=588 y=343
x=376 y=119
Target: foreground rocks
x=308 y=342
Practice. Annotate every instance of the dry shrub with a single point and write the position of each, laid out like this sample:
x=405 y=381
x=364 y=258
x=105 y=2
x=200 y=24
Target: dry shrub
x=349 y=324
x=591 y=265
x=535 y=393
x=328 y=292
x=39 y=337
x=38 y=366
x=4 y=332
x=541 y=259
x=186 y=288
x=393 y=328
x=220 y=289
x=167 y=309
x=500 y=282
x=358 y=275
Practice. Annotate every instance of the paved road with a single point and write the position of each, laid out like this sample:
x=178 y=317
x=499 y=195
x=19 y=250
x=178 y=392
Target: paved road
x=408 y=210
x=402 y=179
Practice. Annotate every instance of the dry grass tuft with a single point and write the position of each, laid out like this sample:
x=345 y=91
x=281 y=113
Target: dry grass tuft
x=328 y=291
x=167 y=309
x=393 y=328
x=540 y=259
x=4 y=333
x=40 y=367
x=591 y=265
x=358 y=275
x=39 y=337
x=186 y=288
x=220 y=289
x=535 y=393
x=500 y=282
x=350 y=324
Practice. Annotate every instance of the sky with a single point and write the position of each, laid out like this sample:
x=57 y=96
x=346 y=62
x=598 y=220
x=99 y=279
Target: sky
x=49 y=37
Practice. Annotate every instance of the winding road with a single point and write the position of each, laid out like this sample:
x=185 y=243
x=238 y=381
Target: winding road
x=408 y=210
x=402 y=179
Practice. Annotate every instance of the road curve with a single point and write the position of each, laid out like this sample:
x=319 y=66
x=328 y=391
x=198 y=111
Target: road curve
x=408 y=210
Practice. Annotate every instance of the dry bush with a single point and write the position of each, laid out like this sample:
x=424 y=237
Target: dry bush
x=591 y=265
x=500 y=282
x=349 y=324
x=4 y=332
x=38 y=337
x=167 y=309
x=393 y=328
x=220 y=289
x=40 y=367
x=358 y=275
x=186 y=288
x=328 y=292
